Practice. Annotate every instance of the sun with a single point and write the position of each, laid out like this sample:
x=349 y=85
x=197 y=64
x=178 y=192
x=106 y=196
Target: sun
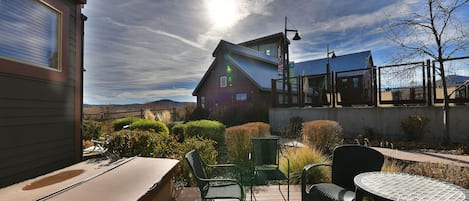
x=222 y=13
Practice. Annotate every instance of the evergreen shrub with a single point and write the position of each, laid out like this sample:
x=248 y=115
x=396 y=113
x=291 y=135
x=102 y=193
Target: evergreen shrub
x=145 y=125
x=118 y=124
x=92 y=129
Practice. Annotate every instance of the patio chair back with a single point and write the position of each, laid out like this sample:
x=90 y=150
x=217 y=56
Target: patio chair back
x=265 y=151
x=198 y=168
x=351 y=160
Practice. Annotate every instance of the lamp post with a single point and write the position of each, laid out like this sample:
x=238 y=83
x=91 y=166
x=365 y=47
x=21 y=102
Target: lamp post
x=286 y=61
x=328 y=76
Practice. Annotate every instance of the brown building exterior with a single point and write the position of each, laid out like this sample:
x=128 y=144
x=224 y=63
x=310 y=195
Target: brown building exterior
x=41 y=80
x=236 y=87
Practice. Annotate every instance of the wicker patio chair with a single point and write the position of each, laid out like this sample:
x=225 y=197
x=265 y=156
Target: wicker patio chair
x=265 y=154
x=347 y=162
x=213 y=188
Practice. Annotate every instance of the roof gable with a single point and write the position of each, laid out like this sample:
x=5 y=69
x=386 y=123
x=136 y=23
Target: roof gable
x=260 y=73
x=258 y=67
x=357 y=60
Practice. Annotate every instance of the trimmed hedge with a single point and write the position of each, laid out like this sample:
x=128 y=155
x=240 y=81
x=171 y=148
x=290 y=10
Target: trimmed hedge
x=208 y=129
x=128 y=143
x=118 y=124
x=179 y=131
x=146 y=125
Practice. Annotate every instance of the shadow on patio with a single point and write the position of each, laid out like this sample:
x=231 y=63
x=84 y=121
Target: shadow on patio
x=262 y=193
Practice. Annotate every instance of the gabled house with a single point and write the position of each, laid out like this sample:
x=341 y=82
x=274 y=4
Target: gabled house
x=236 y=87
x=41 y=72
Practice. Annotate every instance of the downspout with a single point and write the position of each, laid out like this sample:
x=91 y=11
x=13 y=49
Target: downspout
x=83 y=19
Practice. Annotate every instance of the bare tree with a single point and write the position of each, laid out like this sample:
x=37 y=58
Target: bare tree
x=435 y=32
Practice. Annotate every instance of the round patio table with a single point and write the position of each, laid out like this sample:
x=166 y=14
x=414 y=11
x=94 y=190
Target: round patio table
x=399 y=186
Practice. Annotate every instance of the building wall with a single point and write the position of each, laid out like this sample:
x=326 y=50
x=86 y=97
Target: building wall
x=40 y=109
x=221 y=102
x=385 y=121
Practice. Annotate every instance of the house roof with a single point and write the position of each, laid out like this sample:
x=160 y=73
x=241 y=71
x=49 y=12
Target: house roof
x=258 y=67
x=260 y=73
x=357 y=60
x=277 y=36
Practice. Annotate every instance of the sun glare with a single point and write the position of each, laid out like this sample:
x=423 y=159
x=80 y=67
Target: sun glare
x=222 y=13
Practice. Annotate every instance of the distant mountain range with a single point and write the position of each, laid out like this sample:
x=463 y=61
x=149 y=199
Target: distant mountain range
x=158 y=102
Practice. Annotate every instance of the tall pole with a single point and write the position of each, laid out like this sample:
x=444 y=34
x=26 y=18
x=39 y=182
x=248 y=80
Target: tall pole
x=286 y=64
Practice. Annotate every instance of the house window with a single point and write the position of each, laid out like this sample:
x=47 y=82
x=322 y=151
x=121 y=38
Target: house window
x=223 y=81
x=30 y=33
x=241 y=97
x=202 y=102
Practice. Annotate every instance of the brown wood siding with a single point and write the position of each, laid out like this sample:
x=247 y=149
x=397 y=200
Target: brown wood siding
x=40 y=109
x=224 y=99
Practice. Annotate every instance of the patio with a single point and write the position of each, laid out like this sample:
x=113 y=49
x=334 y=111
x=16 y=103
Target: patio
x=262 y=193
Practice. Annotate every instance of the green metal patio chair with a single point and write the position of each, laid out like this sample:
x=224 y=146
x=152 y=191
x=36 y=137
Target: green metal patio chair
x=347 y=162
x=213 y=188
x=265 y=154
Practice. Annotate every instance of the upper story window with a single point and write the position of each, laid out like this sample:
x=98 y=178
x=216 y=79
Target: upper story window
x=30 y=33
x=223 y=81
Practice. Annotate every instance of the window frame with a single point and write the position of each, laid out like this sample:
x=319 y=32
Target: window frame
x=244 y=97
x=26 y=69
x=223 y=81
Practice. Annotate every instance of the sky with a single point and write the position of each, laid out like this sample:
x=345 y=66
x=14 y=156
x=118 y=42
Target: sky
x=145 y=50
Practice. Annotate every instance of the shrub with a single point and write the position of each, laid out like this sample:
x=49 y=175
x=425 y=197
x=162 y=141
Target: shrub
x=145 y=125
x=127 y=143
x=196 y=114
x=414 y=126
x=451 y=173
x=118 y=124
x=238 y=139
x=179 y=131
x=206 y=150
x=299 y=157
x=294 y=127
x=149 y=115
x=264 y=128
x=391 y=165
x=322 y=135
x=212 y=130
x=164 y=116
x=92 y=129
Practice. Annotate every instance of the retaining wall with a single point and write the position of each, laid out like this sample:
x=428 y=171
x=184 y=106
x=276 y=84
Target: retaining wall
x=384 y=121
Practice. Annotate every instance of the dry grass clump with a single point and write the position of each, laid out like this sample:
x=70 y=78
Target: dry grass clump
x=322 y=135
x=264 y=128
x=299 y=157
x=391 y=165
x=238 y=138
x=149 y=115
x=164 y=116
x=450 y=173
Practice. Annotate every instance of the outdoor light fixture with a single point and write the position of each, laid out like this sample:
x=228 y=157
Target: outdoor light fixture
x=286 y=61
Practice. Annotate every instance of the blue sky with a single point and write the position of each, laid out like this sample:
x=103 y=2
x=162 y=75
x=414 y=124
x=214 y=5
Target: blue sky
x=145 y=50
